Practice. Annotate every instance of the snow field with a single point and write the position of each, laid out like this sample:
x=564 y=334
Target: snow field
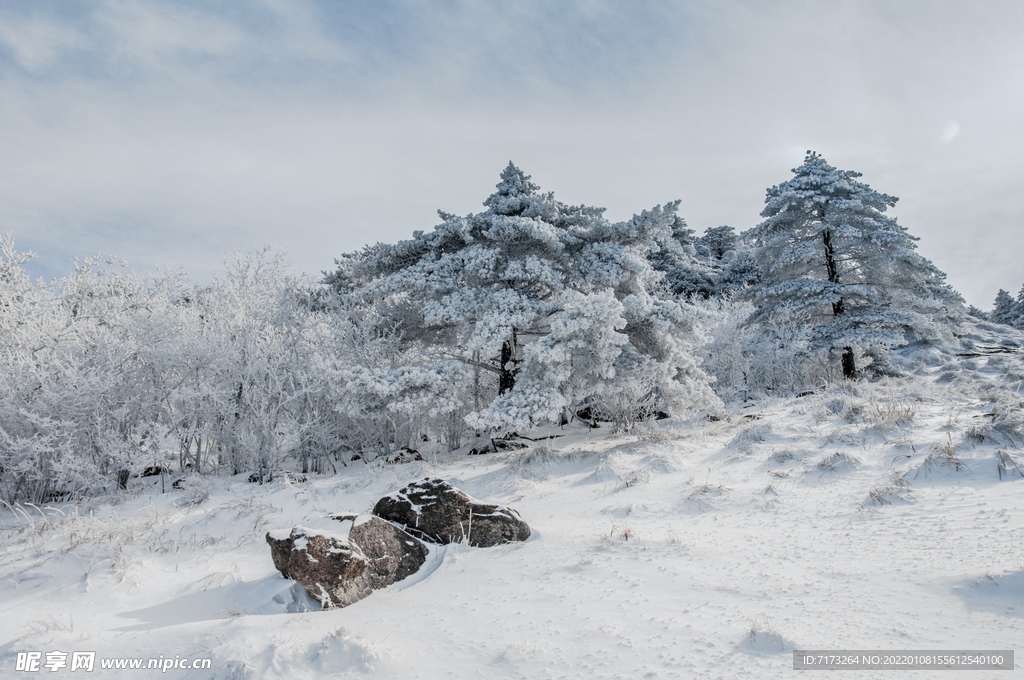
x=861 y=516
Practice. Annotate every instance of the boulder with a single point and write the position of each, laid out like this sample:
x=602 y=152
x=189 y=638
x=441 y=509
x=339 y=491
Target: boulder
x=348 y=561
x=403 y=455
x=436 y=511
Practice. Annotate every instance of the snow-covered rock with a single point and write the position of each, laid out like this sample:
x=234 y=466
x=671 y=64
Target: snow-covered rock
x=343 y=565
x=439 y=512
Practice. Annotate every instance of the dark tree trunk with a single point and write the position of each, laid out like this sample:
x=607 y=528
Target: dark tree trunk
x=507 y=376
x=122 y=479
x=831 y=267
x=849 y=364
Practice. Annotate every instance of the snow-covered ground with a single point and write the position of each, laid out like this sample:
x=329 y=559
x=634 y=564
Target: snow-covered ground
x=871 y=515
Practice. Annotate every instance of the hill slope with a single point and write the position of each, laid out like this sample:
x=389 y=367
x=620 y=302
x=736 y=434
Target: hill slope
x=870 y=515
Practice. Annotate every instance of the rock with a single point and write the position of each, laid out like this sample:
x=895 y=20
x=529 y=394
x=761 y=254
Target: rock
x=263 y=475
x=403 y=455
x=281 y=545
x=508 y=445
x=436 y=511
x=347 y=562
x=591 y=416
x=503 y=443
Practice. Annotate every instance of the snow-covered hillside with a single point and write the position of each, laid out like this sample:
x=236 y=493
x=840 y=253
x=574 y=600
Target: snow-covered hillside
x=885 y=514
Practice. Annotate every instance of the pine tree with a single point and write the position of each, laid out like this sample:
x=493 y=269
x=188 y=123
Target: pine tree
x=554 y=299
x=1018 y=310
x=1004 y=309
x=716 y=242
x=829 y=255
x=731 y=259
x=685 y=274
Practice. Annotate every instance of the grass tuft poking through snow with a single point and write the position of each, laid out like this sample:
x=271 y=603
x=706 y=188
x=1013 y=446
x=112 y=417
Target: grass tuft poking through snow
x=943 y=457
x=764 y=636
x=837 y=462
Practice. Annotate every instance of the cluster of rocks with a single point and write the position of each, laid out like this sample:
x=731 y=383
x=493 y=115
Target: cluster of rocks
x=363 y=553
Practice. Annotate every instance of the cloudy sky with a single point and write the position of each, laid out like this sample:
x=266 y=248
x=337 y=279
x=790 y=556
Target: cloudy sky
x=171 y=133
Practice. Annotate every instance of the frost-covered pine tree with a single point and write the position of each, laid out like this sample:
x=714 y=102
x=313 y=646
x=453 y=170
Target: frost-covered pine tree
x=1018 y=308
x=717 y=242
x=686 y=275
x=556 y=301
x=829 y=255
x=1004 y=309
x=730 y=258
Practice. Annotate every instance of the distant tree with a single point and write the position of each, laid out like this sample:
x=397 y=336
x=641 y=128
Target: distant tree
x=686 y=274
x=731 y=258
x=1018 y=307
x=978 y=313
x=716 y=264
x=716 y=242
x=1005 y=308
x=829 y=255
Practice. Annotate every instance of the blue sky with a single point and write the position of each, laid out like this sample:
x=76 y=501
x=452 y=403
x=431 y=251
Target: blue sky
x=171 y=133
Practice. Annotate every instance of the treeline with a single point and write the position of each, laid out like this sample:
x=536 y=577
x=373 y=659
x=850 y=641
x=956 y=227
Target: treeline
x=529 y=312
x=104 y=372
x=1006 y=309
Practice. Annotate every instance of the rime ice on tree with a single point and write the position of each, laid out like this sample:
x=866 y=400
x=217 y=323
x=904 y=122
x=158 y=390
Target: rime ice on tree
x=831 y=257
x=554 y=299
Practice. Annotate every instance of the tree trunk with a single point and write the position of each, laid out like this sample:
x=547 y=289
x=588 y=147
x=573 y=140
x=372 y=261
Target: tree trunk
x=849 y=364
x=476 y=381
x=831 y=267
x=506 y=378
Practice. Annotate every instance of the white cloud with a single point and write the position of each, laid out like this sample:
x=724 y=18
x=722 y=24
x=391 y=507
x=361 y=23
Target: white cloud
x=171 y=133
x=154 y=32
x=950 y=132
x=37 y=43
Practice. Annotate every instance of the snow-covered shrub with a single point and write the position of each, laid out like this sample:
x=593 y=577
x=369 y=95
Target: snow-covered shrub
x=102 y=372
x=78 y=399
x=890 y=410
x=888 y=493
x=837 y=406
x=537 y=456
x=1007 y=467
x=764 y=635
x=748 y=360
x=1007 y=416
x=749 y=434
x=195 y=491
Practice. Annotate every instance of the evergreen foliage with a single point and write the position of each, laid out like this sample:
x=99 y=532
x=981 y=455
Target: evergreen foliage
x=831 y=257
x=720 y=263
x=1007 y=310
x=686 y=275
x=559 y=303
